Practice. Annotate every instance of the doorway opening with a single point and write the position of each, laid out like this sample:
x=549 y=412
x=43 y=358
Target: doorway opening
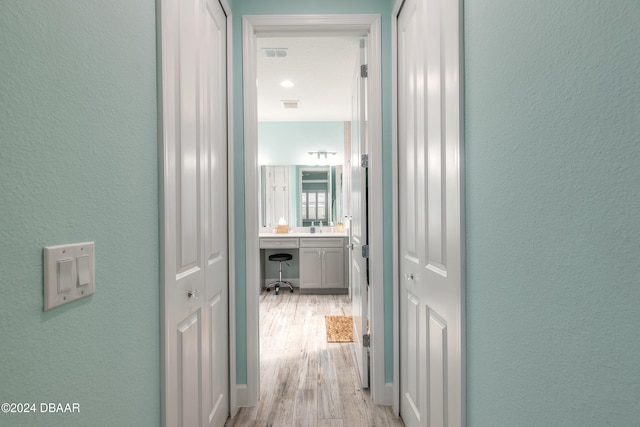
x=310 y=114
x=367 y=26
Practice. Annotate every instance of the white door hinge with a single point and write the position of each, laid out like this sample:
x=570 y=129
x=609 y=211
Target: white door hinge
x=364 y=71
x=366 y=340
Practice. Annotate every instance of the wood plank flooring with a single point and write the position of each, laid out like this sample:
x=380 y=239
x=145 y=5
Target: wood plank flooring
x=304 y=380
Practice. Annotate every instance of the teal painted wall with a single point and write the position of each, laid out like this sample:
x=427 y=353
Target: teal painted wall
x=276 y=7
x=289 y=143
x=78 y=162
x=552 y=175
x=553 y=202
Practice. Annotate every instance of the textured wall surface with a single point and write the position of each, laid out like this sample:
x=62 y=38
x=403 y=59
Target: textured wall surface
x=553 y=202
x=552 y=131
x=284 y=7
x=78 y=162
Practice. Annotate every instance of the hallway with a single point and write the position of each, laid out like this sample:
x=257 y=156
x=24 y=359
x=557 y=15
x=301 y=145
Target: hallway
x=305 y=381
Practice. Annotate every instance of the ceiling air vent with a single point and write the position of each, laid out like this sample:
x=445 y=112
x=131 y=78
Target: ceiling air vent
x=290 y=104
x=274 y=52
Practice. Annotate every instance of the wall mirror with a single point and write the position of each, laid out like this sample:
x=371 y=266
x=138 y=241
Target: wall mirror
x=301 y=194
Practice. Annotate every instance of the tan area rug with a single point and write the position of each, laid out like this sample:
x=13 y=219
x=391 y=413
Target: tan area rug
x=339 y=328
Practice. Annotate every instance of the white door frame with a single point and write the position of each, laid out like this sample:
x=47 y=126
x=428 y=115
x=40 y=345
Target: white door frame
x=233 y=398
x=395 y=180
x=394 y=184
x=290 y=25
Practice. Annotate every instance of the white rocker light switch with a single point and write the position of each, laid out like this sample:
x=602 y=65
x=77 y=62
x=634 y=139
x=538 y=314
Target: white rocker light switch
x=84 y=273
x=69 y=273
x=65 y=275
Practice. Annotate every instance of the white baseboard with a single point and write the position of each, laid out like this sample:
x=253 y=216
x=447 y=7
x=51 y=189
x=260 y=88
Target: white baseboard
x=242 y=397
x=388 y=394
x=384 y=395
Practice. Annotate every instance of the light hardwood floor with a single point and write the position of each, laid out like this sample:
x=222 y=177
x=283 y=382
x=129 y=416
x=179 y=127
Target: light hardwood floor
x=304 y=380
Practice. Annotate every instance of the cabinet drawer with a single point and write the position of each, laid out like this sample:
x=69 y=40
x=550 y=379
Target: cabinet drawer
x=275 y=243
x=322 y=242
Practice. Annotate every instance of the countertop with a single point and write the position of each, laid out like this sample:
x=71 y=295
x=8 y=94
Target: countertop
x=303 y=234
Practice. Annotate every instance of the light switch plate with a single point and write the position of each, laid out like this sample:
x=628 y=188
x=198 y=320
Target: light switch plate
x=61 y=285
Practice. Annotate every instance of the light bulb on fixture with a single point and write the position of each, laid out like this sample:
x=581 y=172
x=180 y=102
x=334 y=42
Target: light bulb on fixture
x=323 y=153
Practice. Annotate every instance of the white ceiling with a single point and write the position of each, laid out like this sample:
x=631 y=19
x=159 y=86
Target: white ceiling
x=322 y=69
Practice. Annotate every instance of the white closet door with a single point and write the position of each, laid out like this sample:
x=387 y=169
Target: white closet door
x=195 y=388
x=431 y=291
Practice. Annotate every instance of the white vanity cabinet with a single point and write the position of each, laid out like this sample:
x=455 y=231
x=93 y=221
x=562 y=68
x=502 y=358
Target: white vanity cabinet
x=322 y=263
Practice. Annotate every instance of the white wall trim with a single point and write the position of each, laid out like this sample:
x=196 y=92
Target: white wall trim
x=281 y=25
x=394 y=176
x=162 y=184
x=251 y=212
x=233 y=406
x=463 y=210
x=291 y=25
x=241 y=395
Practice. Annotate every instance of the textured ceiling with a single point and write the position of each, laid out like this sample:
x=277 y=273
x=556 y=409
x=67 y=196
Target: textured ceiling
x=322 y=69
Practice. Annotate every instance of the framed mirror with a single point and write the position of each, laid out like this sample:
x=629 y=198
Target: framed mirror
x=300 y=194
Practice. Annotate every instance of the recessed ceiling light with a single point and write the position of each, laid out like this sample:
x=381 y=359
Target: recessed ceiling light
x=286 y=83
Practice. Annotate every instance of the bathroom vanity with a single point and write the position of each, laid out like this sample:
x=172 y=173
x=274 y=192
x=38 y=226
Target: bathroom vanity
x=319 y=264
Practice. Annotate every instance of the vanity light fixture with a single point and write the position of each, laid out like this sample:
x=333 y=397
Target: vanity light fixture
x=286 y=83
x=323 y=153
